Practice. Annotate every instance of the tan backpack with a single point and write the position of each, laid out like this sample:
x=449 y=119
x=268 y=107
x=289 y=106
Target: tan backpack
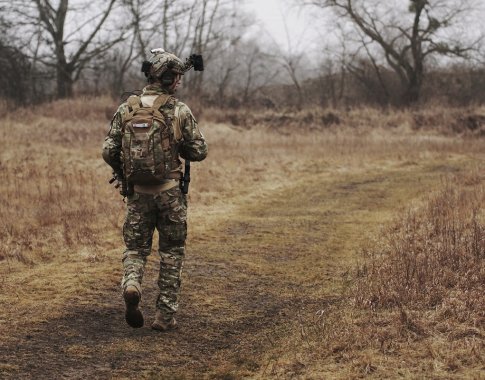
x=149 y=146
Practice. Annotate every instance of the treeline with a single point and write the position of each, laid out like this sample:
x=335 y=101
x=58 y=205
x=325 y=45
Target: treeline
x=375 y=54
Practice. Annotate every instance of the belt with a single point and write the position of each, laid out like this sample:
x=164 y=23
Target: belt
x=155 y=189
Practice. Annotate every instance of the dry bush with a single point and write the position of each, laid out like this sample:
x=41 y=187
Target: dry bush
x=4 y=106
x=88 y=108
x=439 y=119
x=432 y=255
x=416 y=307
x=311 y=118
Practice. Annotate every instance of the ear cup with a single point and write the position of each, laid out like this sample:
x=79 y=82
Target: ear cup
x=167 y=78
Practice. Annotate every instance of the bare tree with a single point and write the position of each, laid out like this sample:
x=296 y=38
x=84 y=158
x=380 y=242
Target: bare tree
x=291 y=59
x=232 y=59
x=69 y=35
x=406 y=41
x=21 y=77
x=13 y=81
x=332 y=81
x=159 y=23
x=251 y=62
x=369 y=73
x=204 y=21
x=258 y=69
x=69 y=70
x=291 y=63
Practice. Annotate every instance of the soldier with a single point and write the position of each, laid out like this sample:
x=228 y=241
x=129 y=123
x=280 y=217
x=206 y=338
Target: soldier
x=147 y=136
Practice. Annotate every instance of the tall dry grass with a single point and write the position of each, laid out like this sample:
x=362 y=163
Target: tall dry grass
x=57 y=200
x=52 y=181
x=416 y=306
x=432 y=256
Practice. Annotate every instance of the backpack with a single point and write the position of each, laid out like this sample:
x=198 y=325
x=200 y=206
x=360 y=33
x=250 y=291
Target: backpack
x=149 y=147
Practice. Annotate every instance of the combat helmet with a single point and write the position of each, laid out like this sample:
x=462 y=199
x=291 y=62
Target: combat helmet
x=162 y=62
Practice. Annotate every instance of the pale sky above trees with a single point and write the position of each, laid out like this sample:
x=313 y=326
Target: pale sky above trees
x=274 y=14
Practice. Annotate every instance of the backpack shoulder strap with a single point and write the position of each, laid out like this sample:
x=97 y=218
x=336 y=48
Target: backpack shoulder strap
x=160 y=101
x=133 y=104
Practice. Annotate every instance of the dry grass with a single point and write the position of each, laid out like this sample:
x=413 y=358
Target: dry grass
x=431 y=254
x=415 y=307
x=424 y=279
x=261 y=188
x=52 y=181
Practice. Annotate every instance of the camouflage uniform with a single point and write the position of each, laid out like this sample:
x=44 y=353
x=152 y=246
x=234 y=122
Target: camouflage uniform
x=163 y=207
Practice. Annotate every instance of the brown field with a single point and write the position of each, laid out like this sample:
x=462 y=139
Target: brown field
x=322 y=244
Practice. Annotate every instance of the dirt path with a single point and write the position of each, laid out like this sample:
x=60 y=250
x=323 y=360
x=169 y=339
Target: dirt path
x=249 y=275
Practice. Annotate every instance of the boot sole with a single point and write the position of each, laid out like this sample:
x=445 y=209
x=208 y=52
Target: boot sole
x=133 y=315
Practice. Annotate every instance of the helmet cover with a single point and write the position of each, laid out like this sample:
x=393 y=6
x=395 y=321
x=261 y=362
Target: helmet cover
x=162 y=61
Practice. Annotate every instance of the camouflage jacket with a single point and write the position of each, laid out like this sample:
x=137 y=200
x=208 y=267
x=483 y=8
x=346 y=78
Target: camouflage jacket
x=192 y=146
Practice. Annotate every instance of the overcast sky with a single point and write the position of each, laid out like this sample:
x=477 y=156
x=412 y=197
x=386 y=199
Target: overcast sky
x=272 y=14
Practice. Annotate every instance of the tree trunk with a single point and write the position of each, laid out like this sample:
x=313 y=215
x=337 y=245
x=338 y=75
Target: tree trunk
x=64 y=81
x=412 y=93
x=299 y=99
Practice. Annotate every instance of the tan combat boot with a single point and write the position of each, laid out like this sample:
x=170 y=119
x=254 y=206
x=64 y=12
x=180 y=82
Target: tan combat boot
x=133 y=315
x=161 y=324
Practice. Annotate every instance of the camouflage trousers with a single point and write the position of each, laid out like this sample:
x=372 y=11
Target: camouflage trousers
x=167 y=212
